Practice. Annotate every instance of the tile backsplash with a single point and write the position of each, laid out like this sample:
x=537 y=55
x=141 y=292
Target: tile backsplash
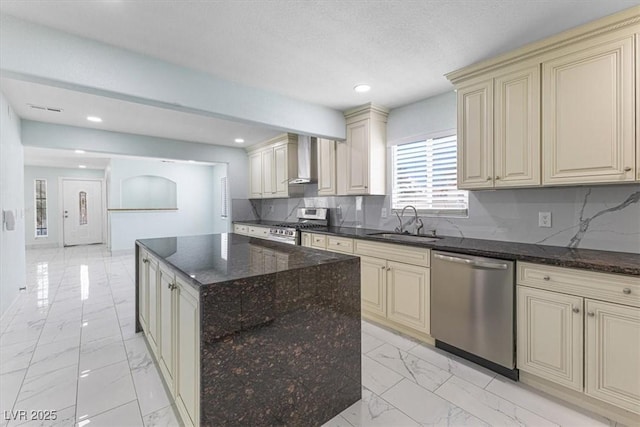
x=596 y=217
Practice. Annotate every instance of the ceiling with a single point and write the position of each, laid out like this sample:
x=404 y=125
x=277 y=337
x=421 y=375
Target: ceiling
x=315 y=51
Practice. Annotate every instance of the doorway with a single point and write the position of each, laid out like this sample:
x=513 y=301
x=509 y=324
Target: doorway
x=82 y=206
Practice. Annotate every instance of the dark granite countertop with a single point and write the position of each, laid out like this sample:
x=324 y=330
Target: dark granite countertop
x=215 y=258
x=588 y=259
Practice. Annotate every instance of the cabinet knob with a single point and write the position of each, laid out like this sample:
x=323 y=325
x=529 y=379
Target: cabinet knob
x=626 y=291
x=388 y=268
x=383 y=267
x=590 y=313
x=547 y=278
x=145 y=260
x=627 y=169
x=488 y=178
x=497 y=178
x=338 y=243
x=576 y=310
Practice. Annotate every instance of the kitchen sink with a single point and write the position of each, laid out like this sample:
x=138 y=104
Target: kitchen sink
x=406 y=237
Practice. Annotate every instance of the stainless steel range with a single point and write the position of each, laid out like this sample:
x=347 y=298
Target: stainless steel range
x=308 y=218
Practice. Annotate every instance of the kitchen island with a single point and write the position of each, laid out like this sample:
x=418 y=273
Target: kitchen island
x=251 y=332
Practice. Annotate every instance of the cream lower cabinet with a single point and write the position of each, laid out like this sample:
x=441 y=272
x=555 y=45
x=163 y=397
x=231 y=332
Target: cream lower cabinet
x=166 y=325
x=550 y=336
x=154 y=299
x=581 y=330
x=306 y=240
x=187 y=353
x=612 y=354
x=143 y=291
x=408 y=295
x=373 y=285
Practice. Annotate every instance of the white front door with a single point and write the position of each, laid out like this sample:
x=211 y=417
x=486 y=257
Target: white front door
x=82 y=218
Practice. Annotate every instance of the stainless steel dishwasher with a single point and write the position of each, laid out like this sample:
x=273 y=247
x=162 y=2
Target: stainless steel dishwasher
x=472 y=309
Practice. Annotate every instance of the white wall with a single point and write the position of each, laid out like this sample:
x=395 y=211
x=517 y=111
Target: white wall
x=54 y=202
x=426 y=117
x=196 y=204
x=220 y=225
x=12 y=251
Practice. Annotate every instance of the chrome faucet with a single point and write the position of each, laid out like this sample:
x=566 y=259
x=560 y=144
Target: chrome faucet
x=419 y=224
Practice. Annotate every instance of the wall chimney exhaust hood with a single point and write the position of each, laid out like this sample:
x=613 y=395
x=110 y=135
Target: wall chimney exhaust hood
x=307 y=161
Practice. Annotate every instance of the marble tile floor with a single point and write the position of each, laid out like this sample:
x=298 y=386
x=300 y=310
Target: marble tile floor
x=68 y=345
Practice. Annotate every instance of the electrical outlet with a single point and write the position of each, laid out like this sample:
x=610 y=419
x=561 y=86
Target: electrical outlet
x=383 y=214
x=544 y=219
x=271 y=209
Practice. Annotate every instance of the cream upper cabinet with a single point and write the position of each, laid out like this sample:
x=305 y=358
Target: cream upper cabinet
x=271 y=164
x=560 y=111
x=255 y=175
x=408 y=295
x=588 y=112
x=475 y=135
x=268 y=173
x=550 y=336
x=612 y=354
x=326 y=167
x=362 y=170
x=517 y=128
x=373 y=283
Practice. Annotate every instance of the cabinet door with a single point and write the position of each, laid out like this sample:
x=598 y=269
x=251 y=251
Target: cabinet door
x=255 y=175
x=588 y=114
x=268 y=174
x=326 y=167
x=143 y=288
x=408 y=295
x=373 y=283
x=612 y=354
x=341 y=168
x=153 y=304
x=187 y=353
x=166 y=325
x=357 y=151
x=637 y=107
x=517 y=128
x=306 y=240
x=281 y=171
x=475 y=135
x=550 y=336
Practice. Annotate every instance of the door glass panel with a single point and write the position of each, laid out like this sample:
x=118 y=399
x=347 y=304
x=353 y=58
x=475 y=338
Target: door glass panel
x=83 y=208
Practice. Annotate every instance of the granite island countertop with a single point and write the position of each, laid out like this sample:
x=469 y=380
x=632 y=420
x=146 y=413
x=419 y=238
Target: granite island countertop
x=215 y=258
x=588 y=259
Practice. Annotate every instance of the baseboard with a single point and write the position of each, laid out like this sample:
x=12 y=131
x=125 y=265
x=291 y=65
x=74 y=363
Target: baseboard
x=121 y=252
x=396 y=328
x=581 y=400
x=42 y=246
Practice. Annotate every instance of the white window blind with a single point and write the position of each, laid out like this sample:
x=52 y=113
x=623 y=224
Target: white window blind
x=424 y=175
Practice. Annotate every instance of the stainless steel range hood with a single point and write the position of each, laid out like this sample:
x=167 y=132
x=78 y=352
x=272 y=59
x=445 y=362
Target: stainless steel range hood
x=307 y=161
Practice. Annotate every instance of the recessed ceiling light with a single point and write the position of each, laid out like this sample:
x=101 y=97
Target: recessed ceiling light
x=238 y=140
x=361 y=88
x=94 y=119
x=82 y=166
x=80 y=151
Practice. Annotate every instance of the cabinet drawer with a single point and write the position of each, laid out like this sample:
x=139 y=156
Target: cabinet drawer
x=392 y=252
x=261 y=232
x=240 y=229
x=340 y=244
x=319 y=241
x=601 y=286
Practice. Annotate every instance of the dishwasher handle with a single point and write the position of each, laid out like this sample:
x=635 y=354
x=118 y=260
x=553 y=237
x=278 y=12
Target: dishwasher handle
x=473 y=262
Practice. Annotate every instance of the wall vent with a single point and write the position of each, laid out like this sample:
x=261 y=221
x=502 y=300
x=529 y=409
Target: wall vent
x=44 y=108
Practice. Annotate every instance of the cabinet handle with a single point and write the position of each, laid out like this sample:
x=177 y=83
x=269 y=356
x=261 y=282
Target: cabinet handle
x=627 y=169
x=576 y=310
x=388 y=268
x=338 y=243
x=383 y=267
x=145 y=260
x=488 y=178
x=626 y=291
x=547 y=278
x=590 y=313
x=497 y=178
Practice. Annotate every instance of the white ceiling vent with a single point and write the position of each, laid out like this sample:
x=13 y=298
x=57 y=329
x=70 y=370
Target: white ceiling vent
x=43 y=108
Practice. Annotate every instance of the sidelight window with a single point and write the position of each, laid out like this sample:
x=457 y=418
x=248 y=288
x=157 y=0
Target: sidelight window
x=425 y=176
x=41 y=207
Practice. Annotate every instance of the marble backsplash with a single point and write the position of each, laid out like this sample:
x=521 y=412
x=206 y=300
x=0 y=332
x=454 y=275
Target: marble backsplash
x=598 y=217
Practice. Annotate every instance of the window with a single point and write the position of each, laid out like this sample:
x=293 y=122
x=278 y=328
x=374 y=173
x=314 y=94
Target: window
x=41 y=207
x=224 y=210
x=424 y=175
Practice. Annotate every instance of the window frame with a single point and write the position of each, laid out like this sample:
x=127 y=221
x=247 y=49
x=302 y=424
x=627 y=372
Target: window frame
x=444 y=213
